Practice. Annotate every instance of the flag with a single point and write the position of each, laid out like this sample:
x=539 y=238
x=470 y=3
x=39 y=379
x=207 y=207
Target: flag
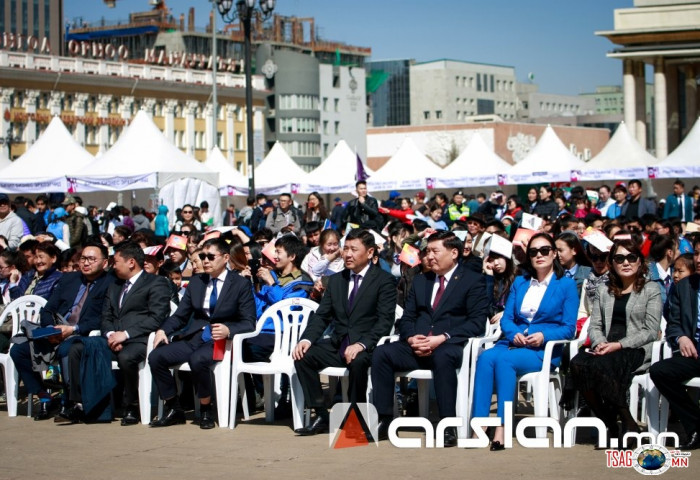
x=361 y=173
x=328 y=224
x=410 y=255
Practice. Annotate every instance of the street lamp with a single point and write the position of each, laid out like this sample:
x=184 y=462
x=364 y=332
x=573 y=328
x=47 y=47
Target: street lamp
x=244 y=11
x=8 y=140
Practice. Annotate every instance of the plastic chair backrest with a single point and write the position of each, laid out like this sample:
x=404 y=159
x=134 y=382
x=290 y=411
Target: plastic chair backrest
x=24 y=308
x=290 y=317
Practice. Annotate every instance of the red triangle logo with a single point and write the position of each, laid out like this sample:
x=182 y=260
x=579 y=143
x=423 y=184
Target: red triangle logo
x=352 y=432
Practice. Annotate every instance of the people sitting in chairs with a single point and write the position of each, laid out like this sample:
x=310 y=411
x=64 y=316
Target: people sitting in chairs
x=541 y=306
x=624 y=321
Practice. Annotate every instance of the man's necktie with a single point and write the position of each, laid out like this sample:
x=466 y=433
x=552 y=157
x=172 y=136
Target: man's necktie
x=356 y=286
x=74 y=316
x=440 y=291
x=680 y=206
x=667 y=283
x=125 y=290
x=213 y=297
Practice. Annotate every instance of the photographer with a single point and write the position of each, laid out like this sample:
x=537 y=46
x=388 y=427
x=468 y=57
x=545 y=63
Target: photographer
x=495 y=206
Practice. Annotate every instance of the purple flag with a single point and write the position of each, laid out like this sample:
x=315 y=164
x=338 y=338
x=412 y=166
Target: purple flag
x=361 y=173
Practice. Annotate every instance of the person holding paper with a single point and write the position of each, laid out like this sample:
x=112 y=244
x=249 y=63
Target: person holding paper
x=217 y=305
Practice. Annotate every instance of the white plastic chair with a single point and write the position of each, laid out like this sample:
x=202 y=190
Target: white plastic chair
x=290 y=317
x=24 y=308
x=662 y=422
x=638 y=404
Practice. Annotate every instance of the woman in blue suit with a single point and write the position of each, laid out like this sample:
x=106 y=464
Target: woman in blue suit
x=541 y=306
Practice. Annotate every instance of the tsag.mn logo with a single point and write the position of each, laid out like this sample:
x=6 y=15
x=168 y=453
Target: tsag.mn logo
x=352 y=425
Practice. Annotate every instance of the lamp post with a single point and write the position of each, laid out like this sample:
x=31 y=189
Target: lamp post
x=8 y=140
x=244 y=11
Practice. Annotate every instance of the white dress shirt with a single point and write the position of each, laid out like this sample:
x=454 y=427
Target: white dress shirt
x=533 y=297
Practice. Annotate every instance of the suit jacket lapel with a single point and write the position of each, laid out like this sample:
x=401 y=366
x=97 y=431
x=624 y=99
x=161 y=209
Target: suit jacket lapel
x=200 y=296
x=139 y=282
x=451 y=286
x=607 y=313
x=223 y=290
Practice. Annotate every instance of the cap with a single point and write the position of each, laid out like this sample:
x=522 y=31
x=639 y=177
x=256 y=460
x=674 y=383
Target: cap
x=68 y=200
x=336 y=199
x=394 y=194
x=4 y=198
x=421 y=195
x=458 y=192
x=268 y=205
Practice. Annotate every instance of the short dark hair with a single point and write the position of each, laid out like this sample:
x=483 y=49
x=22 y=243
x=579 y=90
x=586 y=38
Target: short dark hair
x=293 y=246
x=360 y=182
x=204 y=204
x=449 y=240
x=28 y=245
x=94 y=241
x=312 y=227
x=679 y=182
x=129 y=250
x=218 y=243
x=607 y=187
x=660 y=244
x=48 y=248
x=365 y=236
x=285 y=194
x=636 y=182
x=42 y=198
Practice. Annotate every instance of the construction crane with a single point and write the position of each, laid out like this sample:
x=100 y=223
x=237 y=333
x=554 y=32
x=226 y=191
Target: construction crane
x=157 y=4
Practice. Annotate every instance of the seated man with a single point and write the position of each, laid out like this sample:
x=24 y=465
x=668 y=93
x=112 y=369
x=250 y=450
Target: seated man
x=217 y=305
x=683 y=334
x=444 y=309
x=78 y=297
x=358 y=305
x=135 y=305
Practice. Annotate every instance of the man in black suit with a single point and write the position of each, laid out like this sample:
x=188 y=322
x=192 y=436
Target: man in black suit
x=683 y=335
x=359 y=304
x=217 y=305
x=78 y=297
x=445 y=308
x=135 y=305
x=363 y=210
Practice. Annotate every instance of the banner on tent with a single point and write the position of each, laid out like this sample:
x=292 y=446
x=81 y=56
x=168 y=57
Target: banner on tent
x=347 y=188
x=482 y=181
x=53 y=185
x=663 y=171
x=412 y=184
x=231 y=191
x=538 y=177
x=94 y=184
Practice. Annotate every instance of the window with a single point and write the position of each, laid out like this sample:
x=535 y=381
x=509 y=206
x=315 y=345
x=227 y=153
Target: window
x=325 y=104
x=426 y=115
x=478 y=82
x=336 y=105
x=239 y=141
x=438 y=114
x=336 y=79
x=337 y=128
x=325 y=128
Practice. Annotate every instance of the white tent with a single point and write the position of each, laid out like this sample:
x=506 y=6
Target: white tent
x=231 y=181
x=622 y=157
x=191 y=191
x=548 y=161
x=142 y=158
x=477 y=166
x=44 y=166
x=408 y=169
x=684 y=161
x=4 y=163
x=278 y=173
x=337 y=173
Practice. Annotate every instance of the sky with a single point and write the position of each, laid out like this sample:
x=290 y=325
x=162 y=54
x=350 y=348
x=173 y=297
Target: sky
x=552 y=39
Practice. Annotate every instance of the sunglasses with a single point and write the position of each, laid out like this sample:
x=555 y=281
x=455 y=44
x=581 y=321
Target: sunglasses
x=187 y=211
x=620 y=259
x=597 y=258
x=544 y=251
x=208 y=256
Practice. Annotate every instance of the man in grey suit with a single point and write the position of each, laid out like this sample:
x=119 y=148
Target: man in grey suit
x=134 y=306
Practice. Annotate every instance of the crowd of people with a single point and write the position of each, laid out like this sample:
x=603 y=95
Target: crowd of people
x=540 y=267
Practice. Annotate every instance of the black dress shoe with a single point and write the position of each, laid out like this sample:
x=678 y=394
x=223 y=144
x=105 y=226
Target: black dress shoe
x=131 y=417
x=171 y=417
x=206 y=422
x=383 y=430
x=318 y=425
x=692 y=442
x=497 y=446
x=69 y=415
x=43 y=413
x=450 y=437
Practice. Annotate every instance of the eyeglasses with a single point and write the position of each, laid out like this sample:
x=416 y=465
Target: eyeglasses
x=544 y=251
x=88 y=260
x=597 y=258
x=208 y=256
x=620 y=259
x=188 y=211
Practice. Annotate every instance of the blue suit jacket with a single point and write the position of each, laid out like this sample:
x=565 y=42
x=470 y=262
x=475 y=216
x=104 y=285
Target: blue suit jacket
x=673 y=210
x=555 y=318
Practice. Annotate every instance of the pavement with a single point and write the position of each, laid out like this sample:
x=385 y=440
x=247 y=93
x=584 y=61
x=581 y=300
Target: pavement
x=258 y=450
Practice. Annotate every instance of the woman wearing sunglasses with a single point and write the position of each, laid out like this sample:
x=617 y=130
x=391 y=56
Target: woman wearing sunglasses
x=541 y=306
x=625 y=320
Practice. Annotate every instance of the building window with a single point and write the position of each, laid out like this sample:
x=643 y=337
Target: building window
x=336 y=80
x=325 y=127
x=426 y=115
x=337 y=128
x=336 y=104
x=239 y=141
x=478 y=82
x=438 y=114
x=325 y=104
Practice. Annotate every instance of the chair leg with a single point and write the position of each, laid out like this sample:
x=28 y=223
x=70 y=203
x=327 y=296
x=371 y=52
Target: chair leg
x=145 y=387
x=223 y=390
x=540 y=391
x=11 y=388
x=233 y=400
x=268 y=382
x=423 y=398
x=345 y=384
x=297 y=395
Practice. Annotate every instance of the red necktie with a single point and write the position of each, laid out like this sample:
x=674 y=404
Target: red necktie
x=440 y=291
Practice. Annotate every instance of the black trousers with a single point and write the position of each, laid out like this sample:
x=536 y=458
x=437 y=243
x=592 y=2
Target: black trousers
x=668 y=376
x=128 y=359
x=399 y=357
x=194 y=351
x=322 y=355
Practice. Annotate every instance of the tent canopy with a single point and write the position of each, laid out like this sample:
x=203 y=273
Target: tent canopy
x=683 y=162
x=622 y=157
x=231 y=181
x=478 y=165
x=337 y=173
x=549 y=161
x=143 y=158
x=44 y=167
x=408 y=168
x=278 y=173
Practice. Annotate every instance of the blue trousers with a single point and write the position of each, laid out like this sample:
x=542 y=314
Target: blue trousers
x=501 y=365
x=22 y=358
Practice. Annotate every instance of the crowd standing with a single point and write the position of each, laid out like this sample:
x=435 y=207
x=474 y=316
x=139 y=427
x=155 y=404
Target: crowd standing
x=539 y=267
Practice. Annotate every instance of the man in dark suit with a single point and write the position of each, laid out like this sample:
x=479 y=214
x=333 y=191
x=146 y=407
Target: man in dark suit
x=78 y=297
x=135 y=305
x=445 y=308
x=683 y=335
x=363 y=210
x=359 y=304
x=217 y=305
x=679 y=204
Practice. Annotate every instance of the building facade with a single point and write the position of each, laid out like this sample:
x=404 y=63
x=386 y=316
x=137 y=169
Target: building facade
x=37 y=24
x=389 y=92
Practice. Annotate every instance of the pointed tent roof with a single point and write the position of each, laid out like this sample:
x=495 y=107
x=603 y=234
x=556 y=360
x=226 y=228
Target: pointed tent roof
x=277 y=173
x=44 y=166
x=622 y=157
x=336 y=174
x=684 y=161
x=143 y=157
x=548 y=161
x=408 y=168
x=476 y=166
x=229 y=177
